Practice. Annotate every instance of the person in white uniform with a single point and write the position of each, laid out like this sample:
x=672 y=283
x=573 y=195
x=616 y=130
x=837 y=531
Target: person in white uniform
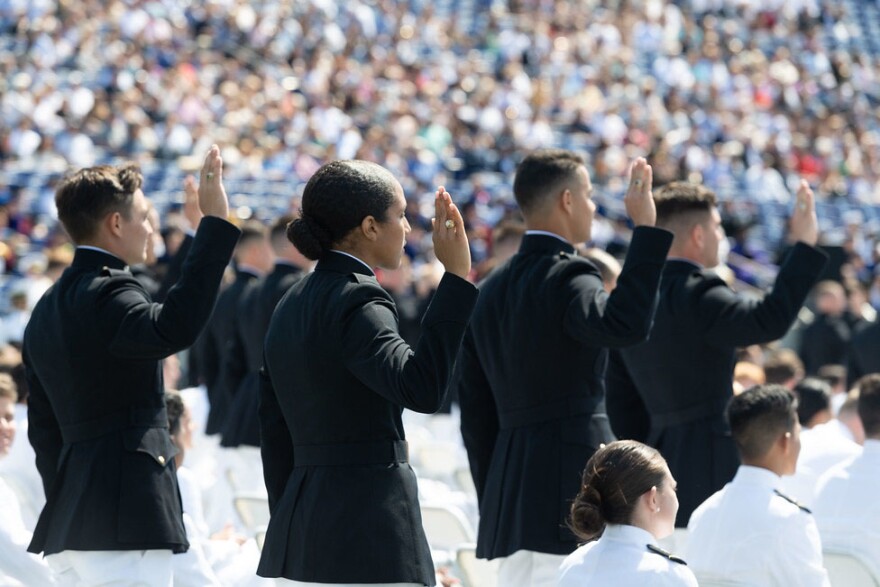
x=847 y=509
x=17 y=565
x=750 y=532
x=628 y=498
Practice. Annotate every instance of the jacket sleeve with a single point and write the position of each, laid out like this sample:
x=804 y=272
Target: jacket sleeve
x=44 y=432
x=741 y=322
x=146 y=330
x=376 y=354
x=624 y=317
x=479 y=415
x=276 y=448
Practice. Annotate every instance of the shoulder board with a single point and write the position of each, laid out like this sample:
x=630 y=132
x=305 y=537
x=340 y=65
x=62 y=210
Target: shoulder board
x=566 y=255
x=108 y=272
x=665 y=554
x=792 y=501
x=361 y=278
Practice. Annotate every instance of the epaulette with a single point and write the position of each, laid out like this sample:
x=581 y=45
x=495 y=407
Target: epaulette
x=361 y=278
x=109 y=272
x=567 y=255
x=665 y=554
x=792 y=501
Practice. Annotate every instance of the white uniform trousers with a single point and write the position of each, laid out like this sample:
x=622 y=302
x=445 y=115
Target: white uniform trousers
x=112 y=568
x=526 y=568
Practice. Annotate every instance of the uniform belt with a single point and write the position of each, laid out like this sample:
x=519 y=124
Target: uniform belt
x=565 y=408
x=692 y=414
x=380 y=452
x=135 y=417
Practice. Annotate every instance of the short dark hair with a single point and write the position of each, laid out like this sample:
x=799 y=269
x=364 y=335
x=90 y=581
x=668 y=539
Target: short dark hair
x=869 y=404
x=251 y=231
x=278 y=232
x=814 y=396
x=86 y=197
x=759 y=416
x=336 y=199
x=681 y=201
x=782 y=365
x=175 y=407
x=616 y=475
x=832 y=374
x=541 y=174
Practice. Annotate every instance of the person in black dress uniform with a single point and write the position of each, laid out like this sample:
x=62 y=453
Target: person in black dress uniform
x=96 y=408
x=681 y=379
x=342 y=496
x=531 y=380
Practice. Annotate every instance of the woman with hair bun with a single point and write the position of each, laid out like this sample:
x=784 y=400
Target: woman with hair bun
x=627 y=500
x=336 y=376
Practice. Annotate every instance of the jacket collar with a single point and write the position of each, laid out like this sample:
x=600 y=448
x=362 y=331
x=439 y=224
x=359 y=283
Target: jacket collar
x=92 y=257
x=339 y=263
x=542 y=243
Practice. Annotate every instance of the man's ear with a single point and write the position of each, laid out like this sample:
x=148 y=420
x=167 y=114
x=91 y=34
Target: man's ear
x=698 y=235
x=113 y=223
x=370 y=228
x=565 y=201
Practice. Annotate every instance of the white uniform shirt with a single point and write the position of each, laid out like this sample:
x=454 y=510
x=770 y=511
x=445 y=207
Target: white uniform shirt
x=822 y=447
x=748 y=533
x=621 y=558
x=17 y=565
x=847 y=510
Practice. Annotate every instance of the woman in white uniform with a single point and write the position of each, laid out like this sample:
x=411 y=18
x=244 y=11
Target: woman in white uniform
x=627 y=500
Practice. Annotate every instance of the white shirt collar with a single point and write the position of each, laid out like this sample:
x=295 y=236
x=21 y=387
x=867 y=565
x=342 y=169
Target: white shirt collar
x=353 y=257
x=628 y=534
x=546 y=233
x=757 y=476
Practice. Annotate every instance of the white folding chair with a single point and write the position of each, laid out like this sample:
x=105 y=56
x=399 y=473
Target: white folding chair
x=260 y=537
x=473 y=571
x=849 y=569
x=445 y=526
x=252 y=509
x=715 y=582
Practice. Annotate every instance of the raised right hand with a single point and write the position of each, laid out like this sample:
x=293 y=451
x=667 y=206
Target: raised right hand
x=639 y=199
x=450 y=241
x=803 y=224
x=212 y=194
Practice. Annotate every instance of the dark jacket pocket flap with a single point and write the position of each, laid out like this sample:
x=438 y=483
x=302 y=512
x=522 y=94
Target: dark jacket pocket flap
x=153 y=441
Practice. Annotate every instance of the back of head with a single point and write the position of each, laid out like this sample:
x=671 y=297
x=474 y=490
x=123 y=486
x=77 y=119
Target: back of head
x=609 y=267
x=278 y=233
x=783 y=366
x=541 y=175
x=86 y=197
x=829 y=297
x=680 y=205
x=616 y=476
x=869 y=405
x=175 y=407
x=814 y=398
x=336 y=200
x=758 y=417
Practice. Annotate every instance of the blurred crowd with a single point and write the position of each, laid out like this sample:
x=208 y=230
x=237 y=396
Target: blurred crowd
x=742 y=95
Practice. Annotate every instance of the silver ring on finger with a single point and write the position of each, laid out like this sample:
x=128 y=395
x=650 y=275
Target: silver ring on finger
x=637 y=183
x=450 y=224
x=209 y=176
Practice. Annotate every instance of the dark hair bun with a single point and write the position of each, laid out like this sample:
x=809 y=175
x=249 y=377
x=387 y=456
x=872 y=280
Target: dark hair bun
x=309 y=237
x=587 y=517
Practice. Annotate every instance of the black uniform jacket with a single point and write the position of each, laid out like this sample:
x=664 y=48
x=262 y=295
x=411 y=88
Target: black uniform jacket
x=255 y=308
x=531 y=382
x=682 y=377
x=96 y=409
x=343 y=498
x=222 y=369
